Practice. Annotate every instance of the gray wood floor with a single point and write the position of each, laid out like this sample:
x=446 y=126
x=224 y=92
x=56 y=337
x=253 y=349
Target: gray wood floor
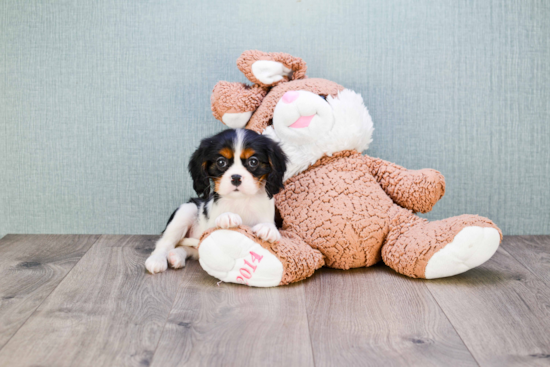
x=68 y=300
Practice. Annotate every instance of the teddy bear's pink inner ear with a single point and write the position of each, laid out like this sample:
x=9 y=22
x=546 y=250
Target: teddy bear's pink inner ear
x=269 y=69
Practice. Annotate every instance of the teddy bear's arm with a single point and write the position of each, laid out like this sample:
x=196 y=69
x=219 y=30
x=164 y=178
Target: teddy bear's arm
x=415 y=190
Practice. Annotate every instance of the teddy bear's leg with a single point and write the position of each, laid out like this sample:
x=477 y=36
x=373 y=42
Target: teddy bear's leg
x=238 y=256
x=421 y=249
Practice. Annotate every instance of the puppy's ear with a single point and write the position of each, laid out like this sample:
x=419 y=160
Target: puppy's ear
x=234 y=103
x=197 y=169
x=268 y=69
x=277 y=160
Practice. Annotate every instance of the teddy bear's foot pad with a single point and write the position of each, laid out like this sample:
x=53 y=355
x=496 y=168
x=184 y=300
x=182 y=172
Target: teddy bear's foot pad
x=234 y=258
x=471 y=247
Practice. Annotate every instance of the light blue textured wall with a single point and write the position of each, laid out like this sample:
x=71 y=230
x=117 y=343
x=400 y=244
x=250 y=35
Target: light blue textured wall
x=102 y=102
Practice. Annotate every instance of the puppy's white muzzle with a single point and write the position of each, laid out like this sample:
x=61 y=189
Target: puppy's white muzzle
x=245 y=185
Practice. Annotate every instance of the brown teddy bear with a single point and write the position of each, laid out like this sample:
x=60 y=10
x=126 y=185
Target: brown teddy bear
x=339 y=208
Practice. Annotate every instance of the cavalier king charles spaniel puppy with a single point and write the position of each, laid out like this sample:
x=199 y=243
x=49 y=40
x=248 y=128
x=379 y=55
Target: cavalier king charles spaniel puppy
x=235 y=175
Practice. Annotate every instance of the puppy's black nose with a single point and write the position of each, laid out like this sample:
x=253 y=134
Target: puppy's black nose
x=236 y=180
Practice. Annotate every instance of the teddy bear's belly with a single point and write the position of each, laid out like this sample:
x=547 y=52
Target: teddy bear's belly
x=345 y=215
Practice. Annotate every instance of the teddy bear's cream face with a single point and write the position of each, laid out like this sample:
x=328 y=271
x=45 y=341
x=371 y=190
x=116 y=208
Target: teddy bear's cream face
x=302 y=116
x=308 y=127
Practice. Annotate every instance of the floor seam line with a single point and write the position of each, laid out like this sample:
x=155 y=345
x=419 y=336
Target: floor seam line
x=452 y=325
x=525 y=266
x=308 y=327
x=167 y=318
x=49 y=294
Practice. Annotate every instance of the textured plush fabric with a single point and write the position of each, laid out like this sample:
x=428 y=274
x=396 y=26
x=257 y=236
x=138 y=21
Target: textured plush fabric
x=339 y=213
x=299 y=260
x=235 y=98
x=337 y=207
x=355 y=209
x=263 y=115
x=341 y=206
x=412 y=241
x=296 y=64
x=414 y=190
x=103 y=102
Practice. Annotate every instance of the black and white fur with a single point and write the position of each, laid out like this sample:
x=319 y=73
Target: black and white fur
x=235 y=175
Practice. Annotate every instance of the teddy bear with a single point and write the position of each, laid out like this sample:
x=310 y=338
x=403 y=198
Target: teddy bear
x=339 y=208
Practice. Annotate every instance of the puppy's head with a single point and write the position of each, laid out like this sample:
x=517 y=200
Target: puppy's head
x=237 y=163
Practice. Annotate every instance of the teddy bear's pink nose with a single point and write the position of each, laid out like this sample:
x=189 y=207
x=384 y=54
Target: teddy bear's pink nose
x=290 y=96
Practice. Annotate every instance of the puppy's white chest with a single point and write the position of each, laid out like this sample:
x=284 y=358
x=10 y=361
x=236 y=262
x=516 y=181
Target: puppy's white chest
x=254 y=210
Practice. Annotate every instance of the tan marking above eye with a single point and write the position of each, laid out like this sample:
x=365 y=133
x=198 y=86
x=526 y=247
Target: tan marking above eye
x=226 y=152
x=247 y=153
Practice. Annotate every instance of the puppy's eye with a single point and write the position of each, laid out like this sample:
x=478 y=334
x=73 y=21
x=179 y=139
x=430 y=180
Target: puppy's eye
x=221 y=163
x=253 y=162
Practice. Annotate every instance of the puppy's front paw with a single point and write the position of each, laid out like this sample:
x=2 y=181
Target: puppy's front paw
x=176 y=257
x=228 y=220
x=267 y=232
x=157 y=263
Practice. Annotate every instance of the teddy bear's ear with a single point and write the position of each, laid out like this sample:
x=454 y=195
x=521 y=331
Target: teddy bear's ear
x=268 y=69
x=234 y=103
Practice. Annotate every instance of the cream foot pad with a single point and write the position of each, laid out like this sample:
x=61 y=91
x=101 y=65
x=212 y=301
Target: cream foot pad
x=471 y=247
x=234 y=258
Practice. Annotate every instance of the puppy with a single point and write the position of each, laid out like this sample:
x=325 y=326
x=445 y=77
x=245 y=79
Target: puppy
x=235 y=175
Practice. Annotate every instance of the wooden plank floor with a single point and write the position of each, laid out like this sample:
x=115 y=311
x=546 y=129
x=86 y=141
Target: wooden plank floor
x=68 y=300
